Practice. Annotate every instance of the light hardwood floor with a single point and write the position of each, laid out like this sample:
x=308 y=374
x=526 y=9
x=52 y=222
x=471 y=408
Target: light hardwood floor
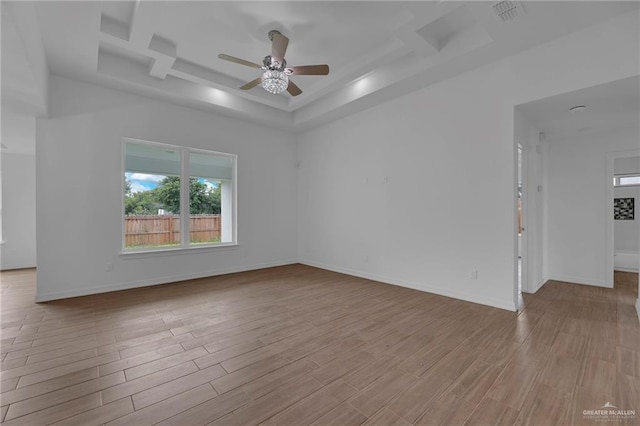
x=297 y=345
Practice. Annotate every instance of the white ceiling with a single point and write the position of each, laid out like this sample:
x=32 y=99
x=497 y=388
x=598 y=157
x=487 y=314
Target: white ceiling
x=168 y=49
x=609 y=106
x=19 y=85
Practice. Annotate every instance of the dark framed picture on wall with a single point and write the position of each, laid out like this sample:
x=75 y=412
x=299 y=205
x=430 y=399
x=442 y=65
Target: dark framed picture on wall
x=623 y=208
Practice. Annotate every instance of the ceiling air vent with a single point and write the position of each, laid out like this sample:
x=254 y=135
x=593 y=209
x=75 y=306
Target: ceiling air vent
x=507 y=10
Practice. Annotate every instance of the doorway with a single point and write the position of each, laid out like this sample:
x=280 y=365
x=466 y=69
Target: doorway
x=522 y=206
x=620 y=254
x=528 y=201
x=520 y=219
x=572 y=142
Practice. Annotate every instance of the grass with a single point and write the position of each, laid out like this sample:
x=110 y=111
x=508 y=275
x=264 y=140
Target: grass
x=143 y=246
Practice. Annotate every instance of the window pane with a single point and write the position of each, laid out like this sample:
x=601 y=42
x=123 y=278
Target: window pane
x=208 y=175
x=152 y=196
x=629 y=180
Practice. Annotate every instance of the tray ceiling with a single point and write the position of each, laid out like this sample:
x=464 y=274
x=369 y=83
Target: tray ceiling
x=169 y=49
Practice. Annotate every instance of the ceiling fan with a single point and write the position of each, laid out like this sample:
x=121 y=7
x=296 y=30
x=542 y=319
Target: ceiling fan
x=275 y=78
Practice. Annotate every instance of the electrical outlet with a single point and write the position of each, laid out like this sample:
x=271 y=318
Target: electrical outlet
x=474 y=274
x=366 y=259
x=109 y=267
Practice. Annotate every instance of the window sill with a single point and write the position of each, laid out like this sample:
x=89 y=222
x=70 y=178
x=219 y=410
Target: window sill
x=137 y=254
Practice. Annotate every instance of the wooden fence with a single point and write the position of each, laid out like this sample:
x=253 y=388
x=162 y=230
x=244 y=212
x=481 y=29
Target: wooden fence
x=152 y=230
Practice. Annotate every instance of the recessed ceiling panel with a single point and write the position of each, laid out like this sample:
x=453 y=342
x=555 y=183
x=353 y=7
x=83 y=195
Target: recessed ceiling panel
x=457 y=25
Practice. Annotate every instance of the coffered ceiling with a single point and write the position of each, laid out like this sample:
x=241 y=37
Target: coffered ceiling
x=375 y=50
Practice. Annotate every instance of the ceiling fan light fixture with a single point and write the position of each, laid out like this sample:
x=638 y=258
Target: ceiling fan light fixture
x=275 y=78
x=274 y=81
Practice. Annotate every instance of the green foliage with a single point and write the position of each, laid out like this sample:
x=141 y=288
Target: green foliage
x=167 y=196
x=213 y=201
x=141 y=203
x=204 y=200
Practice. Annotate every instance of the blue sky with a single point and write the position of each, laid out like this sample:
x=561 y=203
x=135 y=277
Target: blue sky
x=141 y=182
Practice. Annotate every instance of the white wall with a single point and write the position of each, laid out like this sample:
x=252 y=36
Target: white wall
x=18 y=169
x=402 y=193
x=627 y=232
x=576 y=204
x=18 y=130
x=419 y=191
x=18 y=211
x=79 y=186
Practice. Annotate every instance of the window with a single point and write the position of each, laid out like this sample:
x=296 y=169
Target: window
x=165 y=183
x=626 y=180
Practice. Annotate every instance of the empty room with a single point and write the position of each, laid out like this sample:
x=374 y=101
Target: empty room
x=320 y=213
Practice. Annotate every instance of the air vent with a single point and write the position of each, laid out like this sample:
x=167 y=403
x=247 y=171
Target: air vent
x=507 y=10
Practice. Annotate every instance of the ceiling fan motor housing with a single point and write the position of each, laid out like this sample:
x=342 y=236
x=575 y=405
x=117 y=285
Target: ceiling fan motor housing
x=271 y=64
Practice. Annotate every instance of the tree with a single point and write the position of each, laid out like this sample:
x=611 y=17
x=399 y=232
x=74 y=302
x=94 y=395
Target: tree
x=213 y=200
x=202 y=200
x=141 y=203
x=168 y=194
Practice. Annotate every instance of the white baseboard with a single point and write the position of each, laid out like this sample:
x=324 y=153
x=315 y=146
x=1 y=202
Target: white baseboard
x=638 y=307
x=579 y=280
x=625 y=270
x=496 y=303
x=11 y=267
x=535 y=288
x=47 y=297
x=628 y=261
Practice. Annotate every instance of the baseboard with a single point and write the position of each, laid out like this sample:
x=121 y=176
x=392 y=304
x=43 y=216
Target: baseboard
x=579 y=280
x=638 y=307
x=536 y=287
x=496 y=303
x=48 y=297
x=625 y=270
x=16 y=267
x=626 y=261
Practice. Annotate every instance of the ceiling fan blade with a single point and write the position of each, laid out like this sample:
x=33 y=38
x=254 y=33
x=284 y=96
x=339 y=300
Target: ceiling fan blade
x=252 y=84
x=238 y=61
x=310 y=70
x=279 y=45
x=293 y=89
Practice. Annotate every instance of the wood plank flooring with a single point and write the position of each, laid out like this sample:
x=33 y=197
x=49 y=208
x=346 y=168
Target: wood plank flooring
x=297 y=345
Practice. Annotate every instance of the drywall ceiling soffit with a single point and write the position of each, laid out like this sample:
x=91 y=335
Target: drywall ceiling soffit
x=610 y=106
x=169 y=49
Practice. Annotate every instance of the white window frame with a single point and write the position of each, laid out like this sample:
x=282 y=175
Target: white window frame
x=616 y=180
x=185 y=244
